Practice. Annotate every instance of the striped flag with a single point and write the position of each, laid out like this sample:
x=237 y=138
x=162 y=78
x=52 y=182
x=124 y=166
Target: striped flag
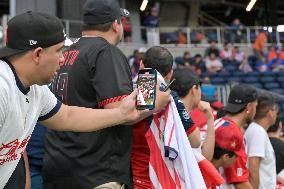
x=172 y=162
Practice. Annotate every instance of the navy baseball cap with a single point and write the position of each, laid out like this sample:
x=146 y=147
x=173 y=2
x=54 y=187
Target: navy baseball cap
x=31 y=30
x=239 y=97
x=102 y=11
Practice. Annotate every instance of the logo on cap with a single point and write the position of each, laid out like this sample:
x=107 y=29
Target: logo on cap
x=33 y=42
x=64 y=34
x=239 y=101
x=126 y=12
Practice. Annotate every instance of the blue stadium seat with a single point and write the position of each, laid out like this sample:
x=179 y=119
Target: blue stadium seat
x=208 y=74
x=223 y=74
x=267 y=79
x=239 y=74
x=257 y=85
x=280 y=79
x=268 y=73
x=218 y=81
x=231 y=68
x=273 y=85
x=254 y=74
x=234 y=79
x=278 y=91
x=179 y=59
x=250 y=80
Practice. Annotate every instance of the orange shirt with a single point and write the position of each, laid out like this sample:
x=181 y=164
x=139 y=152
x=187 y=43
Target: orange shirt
x=260 y=41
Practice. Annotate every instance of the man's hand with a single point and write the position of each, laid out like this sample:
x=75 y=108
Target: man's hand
x=205 y=108
x=128 y=108
x=162 y=99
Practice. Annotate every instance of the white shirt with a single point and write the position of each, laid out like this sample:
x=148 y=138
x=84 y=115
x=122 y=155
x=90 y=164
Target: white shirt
x=20 y=109
x=258 y=145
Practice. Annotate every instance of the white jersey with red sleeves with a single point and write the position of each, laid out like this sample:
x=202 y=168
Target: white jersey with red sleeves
x=20 y=109
x=172 y=162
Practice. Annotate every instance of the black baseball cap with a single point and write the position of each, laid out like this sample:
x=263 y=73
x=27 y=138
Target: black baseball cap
x=31 y=30
x=185 y=79
x=102 y=11
x=239 y=97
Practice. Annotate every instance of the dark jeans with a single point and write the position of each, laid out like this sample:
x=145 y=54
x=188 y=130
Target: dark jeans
x=18 y=178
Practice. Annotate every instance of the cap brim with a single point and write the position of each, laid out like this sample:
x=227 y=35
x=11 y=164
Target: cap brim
x=124 y=12
x=234 y=108
x=5 y=52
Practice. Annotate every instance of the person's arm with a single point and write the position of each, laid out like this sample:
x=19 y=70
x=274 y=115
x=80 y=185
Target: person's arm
x=254 y=164
x=243 y=185
x=209 y=143
x=27 y=169
x=80 y=119
x=194 y=138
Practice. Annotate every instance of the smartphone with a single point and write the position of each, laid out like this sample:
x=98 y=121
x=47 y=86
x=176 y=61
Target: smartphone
x=146 y=84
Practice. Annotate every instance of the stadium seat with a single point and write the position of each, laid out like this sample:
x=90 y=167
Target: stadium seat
x=267 y=79
x=273 y=85
x=218 y=81
x=239 y=74
x=208 y=74
x=278 y=91
x=223 y=74
x=234 y=79
x=250 y=80
x=257 y=85
x=254 y=74
x=268 y=73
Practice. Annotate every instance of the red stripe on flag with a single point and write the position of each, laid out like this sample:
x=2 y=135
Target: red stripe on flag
x=177 y=180
x=158 y=163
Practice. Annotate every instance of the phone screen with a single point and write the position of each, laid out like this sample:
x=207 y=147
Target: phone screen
x=146 y=85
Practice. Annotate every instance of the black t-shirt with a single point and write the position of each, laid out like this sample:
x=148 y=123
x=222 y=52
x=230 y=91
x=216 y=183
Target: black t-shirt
x=278 y=146
x=95 y=73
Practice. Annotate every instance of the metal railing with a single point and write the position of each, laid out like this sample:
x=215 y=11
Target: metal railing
x=195 y=36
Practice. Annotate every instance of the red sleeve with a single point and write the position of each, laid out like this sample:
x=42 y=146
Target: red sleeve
x=111 y=100
x=190 y=130
x=238 y=172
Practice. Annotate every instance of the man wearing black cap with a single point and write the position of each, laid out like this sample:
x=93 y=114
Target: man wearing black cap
x=188 y=87
x=241 y=109
x=95 y=74
x=28 y=62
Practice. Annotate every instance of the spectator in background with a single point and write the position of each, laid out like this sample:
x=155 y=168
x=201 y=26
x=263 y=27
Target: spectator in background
x=228 y=143
x=134 y=62
x=226 y=53
x=262 y=165
x=212 y=49
x=240 y=58
x=213 y=64
x=272 y=53
x=182 y=39
x=274 y=133
x=263 y=65
x=277 y=64
x=198 y=65
x=259 y=44
x=188 y=87
x=127 y=29
x=240 y=109
x=187 y=59
x=151 y=22
x=236 y=31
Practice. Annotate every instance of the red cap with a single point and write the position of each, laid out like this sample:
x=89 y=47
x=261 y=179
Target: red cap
x=229 y=137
